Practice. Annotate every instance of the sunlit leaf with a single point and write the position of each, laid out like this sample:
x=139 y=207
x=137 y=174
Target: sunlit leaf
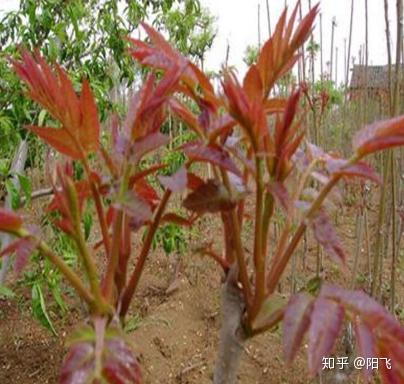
x=53 y=90
x=59 y=139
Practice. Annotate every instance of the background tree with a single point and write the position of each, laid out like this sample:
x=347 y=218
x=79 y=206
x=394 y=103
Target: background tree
x=88 y=38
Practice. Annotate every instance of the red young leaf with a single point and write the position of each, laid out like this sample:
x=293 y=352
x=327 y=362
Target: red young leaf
x=379 y=136
x=194 y=181
x=372 y=313
x=326 y=235
x=249 y=113
x=147 y=109
x=176 y=219
x=326 y=322
x=253 y=84
x=89 y=124
x=161 y=55
x=9 y=221
x=114 y=363
x=296 y=321
x=280 y=193
x=145 y=172
x=387 y=339
x=278 y=54
x=275 y=105
x=59 y=139
x=60 y=201
x=365 y=344
x=23 y=248
x=177 y=182
x=211 y=154
x=138 y=209
x=79 y=134
x=209 y=197
x=359 y=169
x=144 y=190
x=65 y=225
x=221 y=127
x=147 y=144
x=391 y=362
x=184 y=114
x=78 y=365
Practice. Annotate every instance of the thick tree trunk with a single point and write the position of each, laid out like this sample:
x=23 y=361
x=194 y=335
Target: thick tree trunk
x=232 y=335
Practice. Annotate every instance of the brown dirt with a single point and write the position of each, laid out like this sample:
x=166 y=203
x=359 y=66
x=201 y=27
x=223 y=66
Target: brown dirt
x=177 y=333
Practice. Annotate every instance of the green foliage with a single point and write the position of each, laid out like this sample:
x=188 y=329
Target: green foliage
x=6 y=293
x=25 y=186
x=336 y=95
x=251 y=55
x=172 y=238
x=39 y=308
x=312 y=47
x=88 y=39
x=46 y=281
x=132 y=324
x=190 y=28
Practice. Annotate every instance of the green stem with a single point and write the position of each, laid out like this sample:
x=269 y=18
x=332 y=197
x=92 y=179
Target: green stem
x=88 y=260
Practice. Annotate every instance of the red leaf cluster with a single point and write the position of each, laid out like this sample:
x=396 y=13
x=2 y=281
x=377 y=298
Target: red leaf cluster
x=379 y=136
x=378 y=334
x=9 y=221
x=53 y=90
x=100 y=358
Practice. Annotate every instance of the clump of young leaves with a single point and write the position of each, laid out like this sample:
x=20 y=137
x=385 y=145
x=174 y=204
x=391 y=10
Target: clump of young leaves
x=256 y=144
x=124 y=200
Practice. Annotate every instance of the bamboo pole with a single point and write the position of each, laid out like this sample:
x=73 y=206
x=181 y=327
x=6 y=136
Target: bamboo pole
x=259 y=26
x=333 y=24
x=268 y=20
x=321 y=47
x=349 y=48
x=394 y=234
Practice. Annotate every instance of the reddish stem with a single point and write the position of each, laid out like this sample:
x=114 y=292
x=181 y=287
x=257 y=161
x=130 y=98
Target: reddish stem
x=134 y=279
